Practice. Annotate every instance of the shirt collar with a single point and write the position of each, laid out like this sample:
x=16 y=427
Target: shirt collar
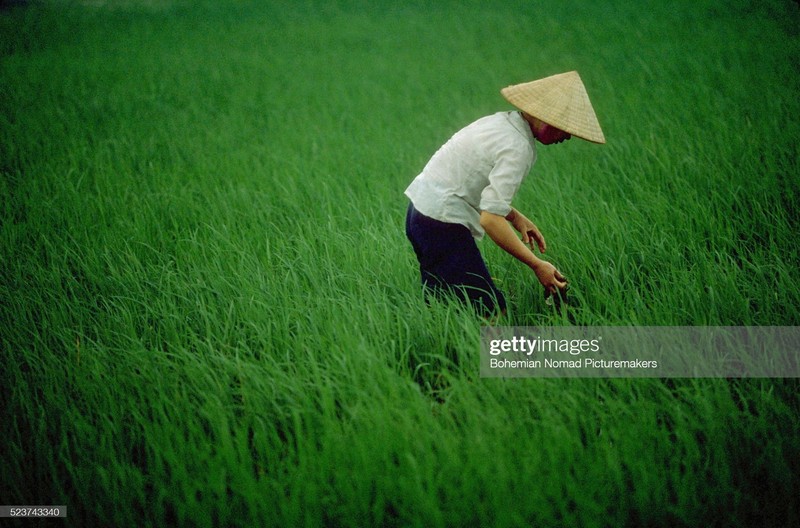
x=516 y=119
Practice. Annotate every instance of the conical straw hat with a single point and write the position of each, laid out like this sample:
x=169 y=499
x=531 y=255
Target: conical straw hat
x=559 y=100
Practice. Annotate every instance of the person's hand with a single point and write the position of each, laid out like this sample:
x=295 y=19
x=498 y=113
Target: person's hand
x=550 y=277
x=530 y=233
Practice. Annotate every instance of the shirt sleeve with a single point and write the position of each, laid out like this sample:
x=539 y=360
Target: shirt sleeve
x=510 y=168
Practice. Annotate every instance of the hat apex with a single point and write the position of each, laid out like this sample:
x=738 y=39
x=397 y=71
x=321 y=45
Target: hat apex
x=559 y=100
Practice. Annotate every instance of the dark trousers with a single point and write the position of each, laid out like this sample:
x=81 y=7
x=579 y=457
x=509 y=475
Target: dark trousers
x=450 y=262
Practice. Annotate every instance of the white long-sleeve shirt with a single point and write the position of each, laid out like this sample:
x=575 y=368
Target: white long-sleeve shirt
x=479 y=169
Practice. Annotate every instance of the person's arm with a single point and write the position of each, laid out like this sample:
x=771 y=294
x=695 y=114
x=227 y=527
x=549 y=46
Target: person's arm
x=530 y=233
x=501 y=233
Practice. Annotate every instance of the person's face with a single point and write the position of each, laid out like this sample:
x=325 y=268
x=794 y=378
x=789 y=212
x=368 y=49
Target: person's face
x=546 y=134
x=550 y=135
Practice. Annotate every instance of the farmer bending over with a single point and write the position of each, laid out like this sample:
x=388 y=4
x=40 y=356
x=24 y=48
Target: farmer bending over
x=467 y=187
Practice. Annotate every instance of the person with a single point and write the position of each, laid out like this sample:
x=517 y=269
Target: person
x=466 y=189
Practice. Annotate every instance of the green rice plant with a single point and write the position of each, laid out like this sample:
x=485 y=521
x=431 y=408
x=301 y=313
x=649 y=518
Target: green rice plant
x=211 y=315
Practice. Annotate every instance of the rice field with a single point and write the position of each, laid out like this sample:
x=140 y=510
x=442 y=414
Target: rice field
x=211 y=315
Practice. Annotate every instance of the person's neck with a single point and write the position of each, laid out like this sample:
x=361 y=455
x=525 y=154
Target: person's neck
x=533 y=123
